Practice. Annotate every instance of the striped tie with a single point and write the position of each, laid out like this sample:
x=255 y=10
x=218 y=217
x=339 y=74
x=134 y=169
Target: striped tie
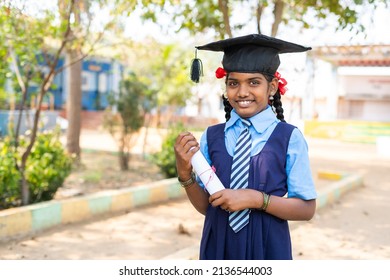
x=239 y=175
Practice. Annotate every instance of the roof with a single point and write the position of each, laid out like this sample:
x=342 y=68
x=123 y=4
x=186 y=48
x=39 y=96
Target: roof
x=359 y=55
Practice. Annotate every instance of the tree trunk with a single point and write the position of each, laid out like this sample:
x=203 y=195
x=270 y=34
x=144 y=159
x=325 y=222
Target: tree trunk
x=24 y=188
x=259 y=13
x=123 y=161
x=73 y=105
x=123 y=153
x=224 y=7
x=278 y=15
x=48 y=80
x=147 y=119
x=199 y=107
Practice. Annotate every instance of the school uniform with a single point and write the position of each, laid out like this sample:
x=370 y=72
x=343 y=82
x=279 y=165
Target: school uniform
x=279 y=166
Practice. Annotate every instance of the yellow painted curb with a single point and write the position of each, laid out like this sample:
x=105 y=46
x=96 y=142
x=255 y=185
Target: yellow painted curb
x=122 y=201
x=14 y=222
x=21 y=221
x=75 y=210
x=329 y=175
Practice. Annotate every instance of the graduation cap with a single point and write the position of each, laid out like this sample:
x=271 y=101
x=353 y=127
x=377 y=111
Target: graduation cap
x=255 y=53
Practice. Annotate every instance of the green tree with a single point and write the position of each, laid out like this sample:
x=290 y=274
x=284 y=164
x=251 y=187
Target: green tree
x=171 y=72
x=126 y=116
x=87 y=13
x=33 y=60
x=198 y=16
x=33 y=41
x=164 y=67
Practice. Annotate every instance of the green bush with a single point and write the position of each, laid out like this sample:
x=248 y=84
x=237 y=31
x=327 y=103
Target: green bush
x=47 y=167
x=165 y=159
x=9 y=176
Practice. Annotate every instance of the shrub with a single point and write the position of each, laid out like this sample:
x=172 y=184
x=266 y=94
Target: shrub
x=165 y=158
x=9 y=176
x=47 y=167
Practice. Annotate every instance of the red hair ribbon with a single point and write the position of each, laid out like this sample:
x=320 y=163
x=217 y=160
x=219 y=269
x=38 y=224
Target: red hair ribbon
x=282 y=83
x=220 y=73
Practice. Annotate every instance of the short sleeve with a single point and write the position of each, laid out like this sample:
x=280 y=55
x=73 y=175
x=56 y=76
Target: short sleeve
x=300 y=179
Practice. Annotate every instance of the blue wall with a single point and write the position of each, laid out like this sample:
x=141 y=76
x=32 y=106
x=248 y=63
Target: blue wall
x=97 y=84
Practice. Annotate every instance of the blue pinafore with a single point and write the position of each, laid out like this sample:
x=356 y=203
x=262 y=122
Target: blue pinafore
x=266 y=237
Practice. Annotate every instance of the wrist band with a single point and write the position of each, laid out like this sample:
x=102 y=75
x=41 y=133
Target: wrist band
x=189 y=182
x=266 y=201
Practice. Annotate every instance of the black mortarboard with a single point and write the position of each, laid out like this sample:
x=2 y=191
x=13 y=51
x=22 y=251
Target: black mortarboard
x=255 y=53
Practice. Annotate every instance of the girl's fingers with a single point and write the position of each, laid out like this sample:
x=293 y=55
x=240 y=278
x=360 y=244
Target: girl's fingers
x=186 y=143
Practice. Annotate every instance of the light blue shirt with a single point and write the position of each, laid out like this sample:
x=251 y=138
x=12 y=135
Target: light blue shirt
x=299 y=177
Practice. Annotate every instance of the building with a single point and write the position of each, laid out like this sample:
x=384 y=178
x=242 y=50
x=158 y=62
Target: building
x=351 y=93
x=352 y=82
x=100 y=77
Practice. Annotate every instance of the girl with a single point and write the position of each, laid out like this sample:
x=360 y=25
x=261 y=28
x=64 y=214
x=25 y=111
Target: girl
x=267 y=177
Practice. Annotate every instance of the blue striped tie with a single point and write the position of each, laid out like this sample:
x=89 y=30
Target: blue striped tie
x=239 y=175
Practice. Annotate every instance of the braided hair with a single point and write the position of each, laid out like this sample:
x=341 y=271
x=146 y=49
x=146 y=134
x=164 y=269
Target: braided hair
x=227 y=107
x=276 y=103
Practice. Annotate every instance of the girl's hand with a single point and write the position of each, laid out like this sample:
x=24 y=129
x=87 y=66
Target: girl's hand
x=235 y=200
x=185 y=147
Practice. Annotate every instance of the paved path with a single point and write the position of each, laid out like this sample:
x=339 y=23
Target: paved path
x=357 y=227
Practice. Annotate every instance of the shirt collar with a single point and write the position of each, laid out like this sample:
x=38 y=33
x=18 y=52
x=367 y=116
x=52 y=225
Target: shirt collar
x=260 y=121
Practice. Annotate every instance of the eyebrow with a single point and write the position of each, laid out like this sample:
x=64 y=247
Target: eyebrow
x=247 y=79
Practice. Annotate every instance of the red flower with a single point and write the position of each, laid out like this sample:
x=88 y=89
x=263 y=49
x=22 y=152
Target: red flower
x=220 y=73
x=282 y=83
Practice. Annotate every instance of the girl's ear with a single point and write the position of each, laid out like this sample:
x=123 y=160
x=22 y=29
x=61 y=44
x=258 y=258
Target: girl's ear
x=274 y=86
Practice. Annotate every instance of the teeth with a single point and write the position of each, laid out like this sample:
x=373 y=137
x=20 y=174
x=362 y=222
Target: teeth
x=244 y=102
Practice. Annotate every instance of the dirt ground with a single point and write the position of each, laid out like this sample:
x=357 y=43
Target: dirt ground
x=357 y=227
x=100 y=165
x=100 y=171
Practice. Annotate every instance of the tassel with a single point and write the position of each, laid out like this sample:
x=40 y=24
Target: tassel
x=196 y=68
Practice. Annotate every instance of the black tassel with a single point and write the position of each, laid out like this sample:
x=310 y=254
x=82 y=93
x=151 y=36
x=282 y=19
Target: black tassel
x=196 y=69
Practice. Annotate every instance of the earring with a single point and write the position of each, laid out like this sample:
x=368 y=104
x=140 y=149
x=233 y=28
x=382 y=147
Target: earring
x=271 y=98
x=225 y=95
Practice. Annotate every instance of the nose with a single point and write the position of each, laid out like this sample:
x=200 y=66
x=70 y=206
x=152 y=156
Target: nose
x=243 y=91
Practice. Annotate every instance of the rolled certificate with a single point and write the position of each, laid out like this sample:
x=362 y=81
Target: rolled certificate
x=206 y=173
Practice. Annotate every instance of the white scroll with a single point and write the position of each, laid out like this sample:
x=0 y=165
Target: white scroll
x=206 y=173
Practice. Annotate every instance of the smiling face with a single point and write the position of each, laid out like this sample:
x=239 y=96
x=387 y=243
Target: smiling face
x=248 y=93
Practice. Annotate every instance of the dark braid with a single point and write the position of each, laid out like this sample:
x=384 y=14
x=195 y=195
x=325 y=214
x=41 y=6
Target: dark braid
x=227 y=107
x=277 y=104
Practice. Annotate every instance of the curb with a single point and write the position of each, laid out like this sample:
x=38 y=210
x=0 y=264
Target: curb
x=23 y=221
x=331 y=194
x=335 y=190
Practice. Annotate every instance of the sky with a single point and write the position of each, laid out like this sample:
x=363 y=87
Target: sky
x=377 y=31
